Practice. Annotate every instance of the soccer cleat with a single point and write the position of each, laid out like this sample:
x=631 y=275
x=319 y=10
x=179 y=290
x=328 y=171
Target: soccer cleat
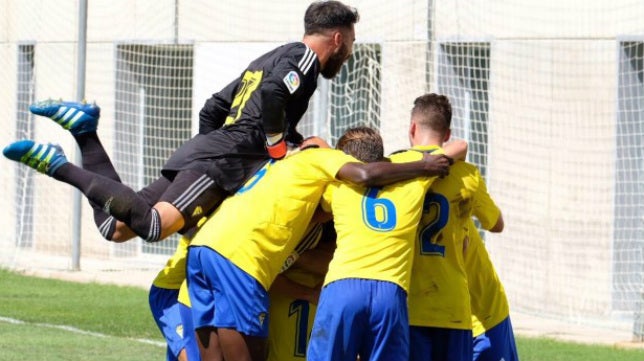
x=77 y=117
x=45 y=158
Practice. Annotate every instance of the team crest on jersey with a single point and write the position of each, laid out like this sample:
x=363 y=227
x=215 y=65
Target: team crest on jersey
x=179 y=330
x=262 y=317
x=292 y=81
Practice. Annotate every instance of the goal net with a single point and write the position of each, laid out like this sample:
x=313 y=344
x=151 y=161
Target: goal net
x=549 y=95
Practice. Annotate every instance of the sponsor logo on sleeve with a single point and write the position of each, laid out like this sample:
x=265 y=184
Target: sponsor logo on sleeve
x=292 y=81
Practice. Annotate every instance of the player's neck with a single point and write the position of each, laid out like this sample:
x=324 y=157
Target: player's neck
x=426 y=140
x=320 y=45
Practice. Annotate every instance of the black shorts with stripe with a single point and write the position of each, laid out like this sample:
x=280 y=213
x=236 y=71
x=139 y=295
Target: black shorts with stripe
x=229 y=156
x=208 y=168
x=194 y=194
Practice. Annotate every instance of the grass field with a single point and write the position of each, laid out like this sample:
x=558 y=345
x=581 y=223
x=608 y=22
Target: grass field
x=51 y=320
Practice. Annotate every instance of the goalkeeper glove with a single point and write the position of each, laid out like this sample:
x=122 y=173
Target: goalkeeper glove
x=276 y=146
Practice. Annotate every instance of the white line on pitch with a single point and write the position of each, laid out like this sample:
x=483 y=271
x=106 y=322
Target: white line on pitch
x=77 y=330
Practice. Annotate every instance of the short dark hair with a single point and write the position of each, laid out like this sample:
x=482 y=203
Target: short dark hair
x=363 y=143
x=325 y=15
x=433 y=111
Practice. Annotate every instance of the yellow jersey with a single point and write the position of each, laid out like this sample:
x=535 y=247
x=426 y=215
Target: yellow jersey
x=487 y=295
x=291 y=320
x=259 y=226
x=174 y=272
x=376 y=227
x=439 y=295
x=184 y=297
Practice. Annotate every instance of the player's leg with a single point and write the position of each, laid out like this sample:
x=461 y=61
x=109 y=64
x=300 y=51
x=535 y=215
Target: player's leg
x=113 y=197
x=238 y=346
x=340 y=321
x=118 y=231
x=165 y=311
x=164 y=297
x=81 y=119
x=434 y=343
x=151 y=223
x=502 y=343
x=199 y=274
x=191 y=196
x=192 y=347
x=388 y=335
x=238 y=306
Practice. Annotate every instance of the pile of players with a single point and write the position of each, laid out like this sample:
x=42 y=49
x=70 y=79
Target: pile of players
x=294 y=250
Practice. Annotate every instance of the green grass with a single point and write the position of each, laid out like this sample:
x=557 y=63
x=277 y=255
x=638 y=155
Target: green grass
x=540 y=349
x=121 y=314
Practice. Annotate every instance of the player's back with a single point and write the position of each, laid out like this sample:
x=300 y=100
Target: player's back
x=291 y=68
x=260 y=225
x=439 y=295
x=376 y=227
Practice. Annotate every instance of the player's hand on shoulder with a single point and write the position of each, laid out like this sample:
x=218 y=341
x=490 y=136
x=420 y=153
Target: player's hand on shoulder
x=437 y=165
x=314 y=142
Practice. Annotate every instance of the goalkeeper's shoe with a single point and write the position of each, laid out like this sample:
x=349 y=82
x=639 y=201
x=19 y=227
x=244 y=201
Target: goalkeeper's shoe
x=77 y=117
x=45 y=158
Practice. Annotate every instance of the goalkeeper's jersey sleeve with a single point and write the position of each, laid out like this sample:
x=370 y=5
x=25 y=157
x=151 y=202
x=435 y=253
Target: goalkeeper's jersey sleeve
x=439 y=295
x=259 y=226
x=376 y=227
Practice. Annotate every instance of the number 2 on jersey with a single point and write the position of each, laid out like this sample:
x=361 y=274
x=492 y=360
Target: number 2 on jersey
x=438 y=207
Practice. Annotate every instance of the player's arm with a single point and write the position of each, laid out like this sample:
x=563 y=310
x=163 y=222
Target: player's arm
x=499 y=225
x=214 y=112
x=383 y=173
x=456 y=149
x=284 y=285
x=486 y=210
x=293 y=115
x=277 y=89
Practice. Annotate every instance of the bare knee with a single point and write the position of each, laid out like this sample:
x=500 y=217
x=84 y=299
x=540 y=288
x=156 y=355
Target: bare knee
x=122 y=233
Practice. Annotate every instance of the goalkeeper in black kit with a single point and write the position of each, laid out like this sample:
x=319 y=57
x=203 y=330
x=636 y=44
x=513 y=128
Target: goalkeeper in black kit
x=240 y=128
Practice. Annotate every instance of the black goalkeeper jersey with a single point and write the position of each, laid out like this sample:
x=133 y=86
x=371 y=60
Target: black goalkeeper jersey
x=270 y=96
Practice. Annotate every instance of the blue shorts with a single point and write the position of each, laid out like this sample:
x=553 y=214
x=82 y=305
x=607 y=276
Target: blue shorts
x=496 y=343
x=437 y=344
x=222 y=295
x=165 y=310
x=360 y=317
x=189 y=336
